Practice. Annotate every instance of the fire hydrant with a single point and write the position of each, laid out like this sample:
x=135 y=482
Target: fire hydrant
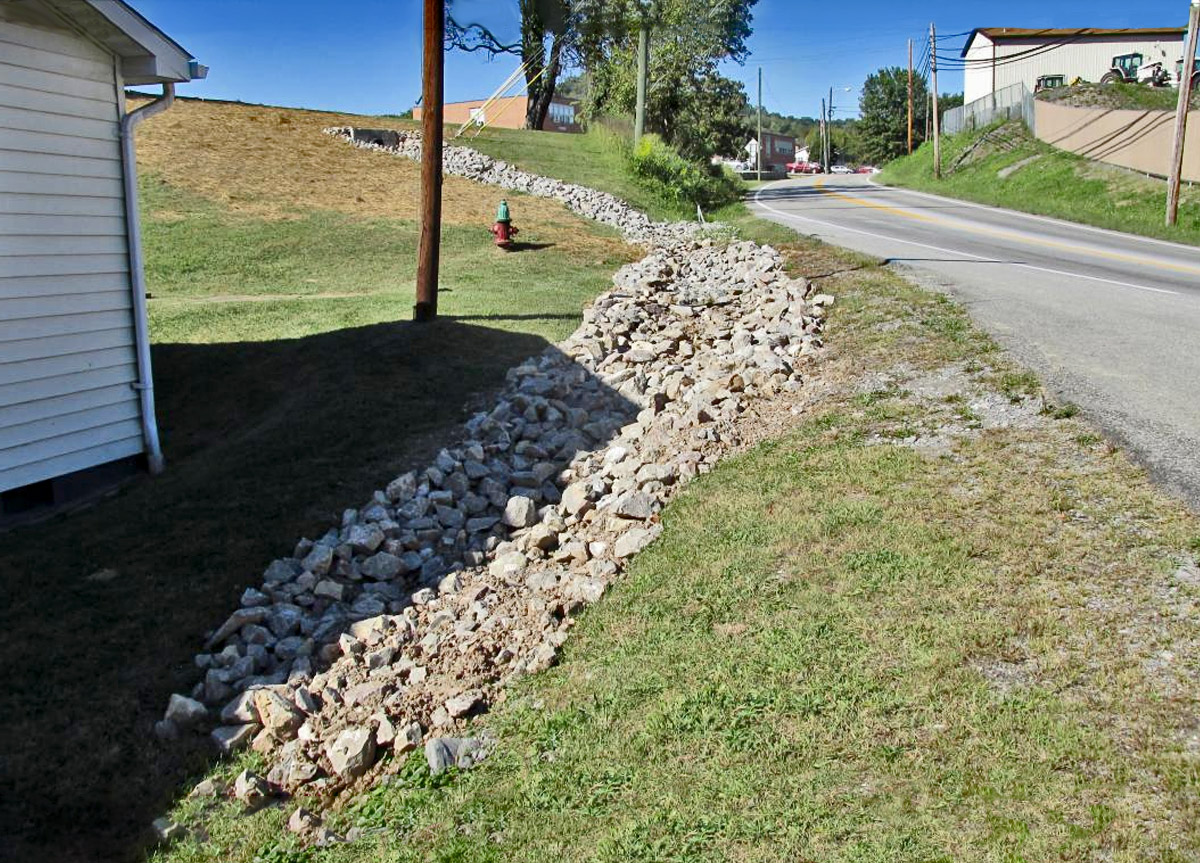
x=503 y=230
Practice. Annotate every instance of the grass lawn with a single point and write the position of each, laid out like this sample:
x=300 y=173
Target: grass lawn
x=845 y=649
x=594 y=159
x=1055 y=183
x=290 y=385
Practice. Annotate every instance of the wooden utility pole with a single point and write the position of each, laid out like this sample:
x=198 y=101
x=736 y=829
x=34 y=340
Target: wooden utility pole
x=643 y=72
x=758 y=155
x=429 y=250
x=937 y=120
x=1181 y=114
x=910 y=96
x=829 y=138
x=824 y=138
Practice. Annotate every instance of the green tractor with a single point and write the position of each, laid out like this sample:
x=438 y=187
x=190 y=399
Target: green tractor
x=1133 y=69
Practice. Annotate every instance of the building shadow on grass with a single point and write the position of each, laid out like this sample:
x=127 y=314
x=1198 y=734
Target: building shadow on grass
x=265 y=442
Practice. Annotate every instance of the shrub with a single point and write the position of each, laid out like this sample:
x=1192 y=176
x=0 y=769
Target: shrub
x=682 y=183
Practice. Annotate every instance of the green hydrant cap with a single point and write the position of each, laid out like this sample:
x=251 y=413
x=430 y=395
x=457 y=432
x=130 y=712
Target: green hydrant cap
x=502 y=213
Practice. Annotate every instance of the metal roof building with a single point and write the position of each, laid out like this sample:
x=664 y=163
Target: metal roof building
x=999 y=57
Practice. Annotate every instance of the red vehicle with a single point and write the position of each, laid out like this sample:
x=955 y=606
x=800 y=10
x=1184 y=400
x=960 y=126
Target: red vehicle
x=805 y=168
x=867 y=169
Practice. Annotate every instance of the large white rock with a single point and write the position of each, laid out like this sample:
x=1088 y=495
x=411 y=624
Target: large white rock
x=353 y=752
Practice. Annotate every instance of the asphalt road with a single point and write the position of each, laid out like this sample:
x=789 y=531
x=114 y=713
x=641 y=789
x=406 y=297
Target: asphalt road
x=1110 y=321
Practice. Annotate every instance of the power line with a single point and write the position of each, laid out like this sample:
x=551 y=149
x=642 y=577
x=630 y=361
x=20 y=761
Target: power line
x=988 y=62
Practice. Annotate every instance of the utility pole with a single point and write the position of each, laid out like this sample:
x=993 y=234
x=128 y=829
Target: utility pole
x=758 y=153
x=937 y=120
x=910 y=96
x=829 y=137
x=1181 y=113
x=433 y=93
x=824 y=139
x=643 y=71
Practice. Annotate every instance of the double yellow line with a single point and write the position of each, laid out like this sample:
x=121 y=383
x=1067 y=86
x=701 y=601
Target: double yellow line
x=1008 y=235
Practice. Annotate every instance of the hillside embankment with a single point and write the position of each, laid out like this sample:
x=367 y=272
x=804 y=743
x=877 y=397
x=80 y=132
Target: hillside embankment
x=1005 y=166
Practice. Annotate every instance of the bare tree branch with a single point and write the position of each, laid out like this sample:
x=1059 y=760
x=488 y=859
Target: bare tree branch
x=476 y=37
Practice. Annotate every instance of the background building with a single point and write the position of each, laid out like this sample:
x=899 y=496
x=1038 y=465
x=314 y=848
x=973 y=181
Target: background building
x=778 y=150
x=1000 y=57
x=509 y=113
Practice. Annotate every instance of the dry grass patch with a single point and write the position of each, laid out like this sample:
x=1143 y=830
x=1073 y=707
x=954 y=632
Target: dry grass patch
x=275 y=163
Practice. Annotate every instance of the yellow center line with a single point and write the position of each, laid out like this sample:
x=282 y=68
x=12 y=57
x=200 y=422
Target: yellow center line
x=1007 y=235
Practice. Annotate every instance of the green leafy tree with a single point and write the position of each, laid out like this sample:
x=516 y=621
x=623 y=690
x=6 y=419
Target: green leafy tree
x=948 y=102
x=883 y=125
x=549 y=39
x=689 y=103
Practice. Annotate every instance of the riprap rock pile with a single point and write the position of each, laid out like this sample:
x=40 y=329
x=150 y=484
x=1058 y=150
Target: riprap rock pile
x=589 y=203
x=395 y=627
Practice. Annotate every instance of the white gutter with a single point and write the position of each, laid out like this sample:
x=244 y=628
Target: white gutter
x=133 y=227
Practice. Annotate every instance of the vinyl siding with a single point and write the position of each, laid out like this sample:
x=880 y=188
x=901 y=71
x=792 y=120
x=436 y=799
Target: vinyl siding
x=67 y=357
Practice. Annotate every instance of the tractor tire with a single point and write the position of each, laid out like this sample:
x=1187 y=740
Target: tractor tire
x=1195 y=82
x=1111 y=78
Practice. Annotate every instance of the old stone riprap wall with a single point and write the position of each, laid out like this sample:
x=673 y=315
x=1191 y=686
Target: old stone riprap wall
x=395 y=627
x=473 y=165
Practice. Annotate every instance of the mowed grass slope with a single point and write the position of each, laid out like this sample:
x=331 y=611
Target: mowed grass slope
x=1052 y=183
x=290 y=385
x=246 y=204
x=842 y=649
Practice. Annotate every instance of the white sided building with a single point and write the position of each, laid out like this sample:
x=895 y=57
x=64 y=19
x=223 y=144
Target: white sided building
x=76 y=390
x=999 y=57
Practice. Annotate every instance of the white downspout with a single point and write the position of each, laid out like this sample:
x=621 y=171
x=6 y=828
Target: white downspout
x=133 y=225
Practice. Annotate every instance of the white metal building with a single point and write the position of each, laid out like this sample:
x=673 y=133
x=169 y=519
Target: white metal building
x=1000 y=57
x=76 y=390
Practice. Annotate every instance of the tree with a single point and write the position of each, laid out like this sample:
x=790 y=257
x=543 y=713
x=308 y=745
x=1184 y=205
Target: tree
x=548 y=32
x=949 y=101
x=883 y=125
x=845 y=142
x=689 y=103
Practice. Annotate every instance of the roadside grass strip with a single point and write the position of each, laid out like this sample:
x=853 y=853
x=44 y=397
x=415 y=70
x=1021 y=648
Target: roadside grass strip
x=1010 y=168
x=939 y=619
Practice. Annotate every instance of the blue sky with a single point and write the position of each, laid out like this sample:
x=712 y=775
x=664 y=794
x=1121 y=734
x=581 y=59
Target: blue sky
x=364 y=55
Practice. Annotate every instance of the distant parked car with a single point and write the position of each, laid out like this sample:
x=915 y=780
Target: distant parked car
x=804 y=168
x=841 y=169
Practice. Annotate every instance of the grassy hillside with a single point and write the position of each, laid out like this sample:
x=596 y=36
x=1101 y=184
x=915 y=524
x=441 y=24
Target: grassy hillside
x=1005 y=166
x=593 y=159
x=258 y=226
x=1130 y=97
x=290 y=384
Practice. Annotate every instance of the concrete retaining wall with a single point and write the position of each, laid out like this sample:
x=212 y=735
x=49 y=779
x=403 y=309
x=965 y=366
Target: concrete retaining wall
x=1140 y=140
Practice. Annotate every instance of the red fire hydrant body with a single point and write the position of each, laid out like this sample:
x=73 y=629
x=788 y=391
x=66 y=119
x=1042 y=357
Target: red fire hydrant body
x=503 y=230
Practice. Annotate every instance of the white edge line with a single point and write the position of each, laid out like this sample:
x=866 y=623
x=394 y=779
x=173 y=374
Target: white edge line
x=1050 y=220
x=794 y=217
